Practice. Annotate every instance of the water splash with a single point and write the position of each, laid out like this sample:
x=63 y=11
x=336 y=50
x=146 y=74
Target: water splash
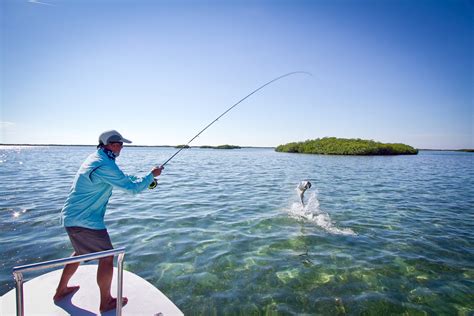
x=311 y=212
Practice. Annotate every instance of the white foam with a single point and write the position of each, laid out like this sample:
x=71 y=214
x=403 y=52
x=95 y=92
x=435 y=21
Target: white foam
x=311 y=212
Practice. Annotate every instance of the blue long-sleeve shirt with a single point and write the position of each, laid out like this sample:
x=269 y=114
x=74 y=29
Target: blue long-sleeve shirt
x=92 y=188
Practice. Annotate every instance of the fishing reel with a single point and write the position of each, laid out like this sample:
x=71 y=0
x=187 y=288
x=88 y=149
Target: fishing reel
x=153 y=184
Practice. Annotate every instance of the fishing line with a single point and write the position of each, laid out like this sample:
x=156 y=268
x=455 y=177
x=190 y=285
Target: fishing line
x=155 y=183
x=233 y=106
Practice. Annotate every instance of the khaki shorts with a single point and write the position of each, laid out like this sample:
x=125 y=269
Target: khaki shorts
x=86 y=240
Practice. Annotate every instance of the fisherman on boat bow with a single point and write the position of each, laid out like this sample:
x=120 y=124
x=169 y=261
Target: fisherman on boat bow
x=84 y=210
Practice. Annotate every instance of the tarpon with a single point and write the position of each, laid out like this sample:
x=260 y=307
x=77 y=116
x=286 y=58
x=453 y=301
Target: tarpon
x=301 y=188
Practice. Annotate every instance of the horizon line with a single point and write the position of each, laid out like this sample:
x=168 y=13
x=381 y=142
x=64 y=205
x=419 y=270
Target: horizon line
x=173 y=146
x=199 y=146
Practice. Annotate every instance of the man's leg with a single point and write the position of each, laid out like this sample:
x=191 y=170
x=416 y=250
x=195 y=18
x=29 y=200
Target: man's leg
x=104 y=280
x=63 y=290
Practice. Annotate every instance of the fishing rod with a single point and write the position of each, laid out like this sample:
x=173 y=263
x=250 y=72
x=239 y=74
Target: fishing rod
x=155 y=183
x=233 y=106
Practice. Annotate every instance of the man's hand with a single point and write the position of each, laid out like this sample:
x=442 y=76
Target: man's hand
x=157 y=171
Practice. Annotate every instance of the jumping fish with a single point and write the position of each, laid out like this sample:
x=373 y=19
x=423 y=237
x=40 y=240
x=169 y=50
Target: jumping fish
x=301 y=189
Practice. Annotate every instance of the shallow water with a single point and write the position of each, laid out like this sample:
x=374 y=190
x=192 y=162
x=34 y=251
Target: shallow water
x=224 y=232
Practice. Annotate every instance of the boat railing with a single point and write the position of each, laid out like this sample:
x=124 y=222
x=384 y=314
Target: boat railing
x=18 y=273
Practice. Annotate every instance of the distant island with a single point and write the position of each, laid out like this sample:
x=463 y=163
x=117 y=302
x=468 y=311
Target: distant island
x=222 y=147
x=212 y=147
x=345 y=146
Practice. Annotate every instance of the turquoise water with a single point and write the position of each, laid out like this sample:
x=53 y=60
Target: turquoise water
x=224 y=233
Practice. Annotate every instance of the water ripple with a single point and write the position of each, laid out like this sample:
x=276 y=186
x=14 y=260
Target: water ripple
x=224 y=231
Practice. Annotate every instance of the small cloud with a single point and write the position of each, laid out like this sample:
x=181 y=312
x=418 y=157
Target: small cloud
x=6 y=124
x=6 y=129
x=40 y=2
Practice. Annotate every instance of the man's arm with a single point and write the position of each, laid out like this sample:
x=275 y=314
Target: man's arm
x=112 y=174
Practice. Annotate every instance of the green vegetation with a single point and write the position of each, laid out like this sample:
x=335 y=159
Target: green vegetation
x=344 y=146
x=222 y=147
x=213 y=147
x=228 y=147
x=467 y=150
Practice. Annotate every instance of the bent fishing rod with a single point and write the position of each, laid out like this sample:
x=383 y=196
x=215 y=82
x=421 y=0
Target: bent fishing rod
x=233 y=106
x=154 y=183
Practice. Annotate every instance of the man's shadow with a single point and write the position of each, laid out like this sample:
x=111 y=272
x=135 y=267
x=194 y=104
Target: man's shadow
x=71 y=309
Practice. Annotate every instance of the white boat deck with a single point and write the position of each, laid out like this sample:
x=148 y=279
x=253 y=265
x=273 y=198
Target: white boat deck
x=143 y=297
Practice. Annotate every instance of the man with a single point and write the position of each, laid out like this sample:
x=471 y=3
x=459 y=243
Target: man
x=84 y=210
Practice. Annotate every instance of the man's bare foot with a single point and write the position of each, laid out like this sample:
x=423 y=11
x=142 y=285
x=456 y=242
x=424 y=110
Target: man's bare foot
x=65 y=292
x=112 y=304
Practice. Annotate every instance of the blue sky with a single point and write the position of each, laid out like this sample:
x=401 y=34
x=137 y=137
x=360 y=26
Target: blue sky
x=159 y=71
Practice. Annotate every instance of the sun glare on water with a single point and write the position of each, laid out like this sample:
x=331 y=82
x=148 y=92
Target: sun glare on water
x=17 y=214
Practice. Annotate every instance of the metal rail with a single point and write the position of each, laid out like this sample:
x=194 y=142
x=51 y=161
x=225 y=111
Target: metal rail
x=18 y=274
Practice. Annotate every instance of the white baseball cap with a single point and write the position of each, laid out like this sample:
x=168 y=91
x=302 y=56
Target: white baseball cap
x=112 y=136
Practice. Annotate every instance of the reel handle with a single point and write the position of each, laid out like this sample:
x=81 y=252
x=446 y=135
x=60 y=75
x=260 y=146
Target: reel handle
x=153 y=184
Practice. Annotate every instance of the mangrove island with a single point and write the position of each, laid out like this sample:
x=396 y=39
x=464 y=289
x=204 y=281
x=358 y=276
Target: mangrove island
x=222 y=147
x=213 y=147
x=345 y=146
